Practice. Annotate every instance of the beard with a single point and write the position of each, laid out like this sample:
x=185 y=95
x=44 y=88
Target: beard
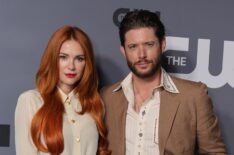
x=156 y=65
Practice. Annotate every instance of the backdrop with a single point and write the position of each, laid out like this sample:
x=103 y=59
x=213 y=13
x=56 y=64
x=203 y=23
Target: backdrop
x=200 y=47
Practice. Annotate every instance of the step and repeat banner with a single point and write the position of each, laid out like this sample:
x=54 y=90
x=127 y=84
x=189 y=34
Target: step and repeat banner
x=200 y=47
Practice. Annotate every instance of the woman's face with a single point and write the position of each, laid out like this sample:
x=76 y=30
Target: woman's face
x=71 y=65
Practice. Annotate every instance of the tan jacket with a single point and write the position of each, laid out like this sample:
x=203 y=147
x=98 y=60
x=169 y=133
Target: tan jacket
x=187 y=124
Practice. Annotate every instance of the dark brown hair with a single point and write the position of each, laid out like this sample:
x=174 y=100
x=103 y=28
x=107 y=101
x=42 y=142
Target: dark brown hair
x=140 y=19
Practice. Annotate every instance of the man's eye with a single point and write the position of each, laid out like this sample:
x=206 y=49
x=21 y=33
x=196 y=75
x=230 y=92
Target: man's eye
x=132 y=46
x=150 y=44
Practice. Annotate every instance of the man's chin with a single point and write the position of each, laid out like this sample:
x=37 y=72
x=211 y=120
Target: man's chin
x=144 y=74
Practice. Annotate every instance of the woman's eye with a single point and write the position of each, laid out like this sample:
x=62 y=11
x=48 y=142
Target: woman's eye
x=80 y=59
x=62 y=57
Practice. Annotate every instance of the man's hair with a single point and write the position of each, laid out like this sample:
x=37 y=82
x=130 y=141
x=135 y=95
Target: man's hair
x=141 y=19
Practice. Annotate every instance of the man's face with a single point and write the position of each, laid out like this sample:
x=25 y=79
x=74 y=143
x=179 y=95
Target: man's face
x=143 y=51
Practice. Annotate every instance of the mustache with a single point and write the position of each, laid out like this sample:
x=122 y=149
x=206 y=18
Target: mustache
x=143 y=61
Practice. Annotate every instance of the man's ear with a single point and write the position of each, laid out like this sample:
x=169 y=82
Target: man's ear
x=163 y=44
x=122 y=50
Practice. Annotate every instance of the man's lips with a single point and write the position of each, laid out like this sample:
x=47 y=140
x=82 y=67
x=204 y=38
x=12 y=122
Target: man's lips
x=70 y=75
x=143 y=63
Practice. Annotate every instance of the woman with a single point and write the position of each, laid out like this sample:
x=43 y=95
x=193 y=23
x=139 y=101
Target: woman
x=63 y=116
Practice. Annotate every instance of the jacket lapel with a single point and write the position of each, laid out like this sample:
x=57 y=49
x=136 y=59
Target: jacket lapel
x=168 y=108
x=121 y=113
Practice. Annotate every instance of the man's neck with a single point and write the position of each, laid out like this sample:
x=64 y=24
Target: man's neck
x=145 y=84
x=143 y=88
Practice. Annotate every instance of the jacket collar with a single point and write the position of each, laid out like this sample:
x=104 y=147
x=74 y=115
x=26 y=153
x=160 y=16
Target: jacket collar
x=166 y=82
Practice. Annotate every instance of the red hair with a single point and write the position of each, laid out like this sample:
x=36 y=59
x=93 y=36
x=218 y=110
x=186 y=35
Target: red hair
x=48 y=121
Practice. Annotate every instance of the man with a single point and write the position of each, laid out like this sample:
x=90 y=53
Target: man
x=150 y=112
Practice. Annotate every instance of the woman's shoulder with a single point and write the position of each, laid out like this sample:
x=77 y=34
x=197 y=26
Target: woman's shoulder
x=30 y=97
x=27 y=105
x=30 y=93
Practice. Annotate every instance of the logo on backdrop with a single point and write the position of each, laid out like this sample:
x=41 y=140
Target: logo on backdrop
x=5 y=135
x=185 y=60
x=121 y=12
x=194 y=65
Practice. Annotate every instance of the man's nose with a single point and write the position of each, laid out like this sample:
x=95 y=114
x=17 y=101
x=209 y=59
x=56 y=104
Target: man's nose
x=142 y=52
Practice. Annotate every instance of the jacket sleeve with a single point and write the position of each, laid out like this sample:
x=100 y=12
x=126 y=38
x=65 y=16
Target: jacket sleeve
x=209 y=136
x=23 y=117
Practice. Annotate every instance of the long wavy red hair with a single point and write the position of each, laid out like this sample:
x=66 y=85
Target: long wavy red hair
x=47 y=123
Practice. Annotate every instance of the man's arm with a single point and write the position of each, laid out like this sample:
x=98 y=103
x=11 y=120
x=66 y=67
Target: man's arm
x=208 y=132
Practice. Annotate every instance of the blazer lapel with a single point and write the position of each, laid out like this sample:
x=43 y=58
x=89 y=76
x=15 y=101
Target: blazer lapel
x=121 y=113
x=168 y=108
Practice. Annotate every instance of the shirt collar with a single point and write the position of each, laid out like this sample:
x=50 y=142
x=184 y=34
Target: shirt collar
x=166 y=82
x=64 y=96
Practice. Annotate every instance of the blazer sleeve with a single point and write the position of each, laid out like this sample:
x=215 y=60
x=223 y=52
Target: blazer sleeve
x=208 y=132
x=23 y=117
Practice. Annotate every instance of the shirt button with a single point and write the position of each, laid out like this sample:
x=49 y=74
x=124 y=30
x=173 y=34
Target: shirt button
x=77 y=140
x=140 y=134
x=73 y=121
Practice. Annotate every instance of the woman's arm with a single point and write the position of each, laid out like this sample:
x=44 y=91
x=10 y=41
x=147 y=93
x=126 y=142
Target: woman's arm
x=23 y=115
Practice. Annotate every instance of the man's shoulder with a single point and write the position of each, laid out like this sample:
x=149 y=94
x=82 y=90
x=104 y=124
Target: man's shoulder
x=111 y=92
x=185 y=82
x=188 y=86
x=110 y=88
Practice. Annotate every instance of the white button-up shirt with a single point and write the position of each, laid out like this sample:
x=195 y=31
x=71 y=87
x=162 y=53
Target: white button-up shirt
x=79 y=131
x=142 y=128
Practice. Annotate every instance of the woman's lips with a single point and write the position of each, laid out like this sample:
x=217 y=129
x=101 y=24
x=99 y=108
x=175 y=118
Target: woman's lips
x=70 y=75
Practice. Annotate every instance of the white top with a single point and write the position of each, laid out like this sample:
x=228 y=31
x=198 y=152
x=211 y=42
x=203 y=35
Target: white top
x=79 y=131
x=142 y=128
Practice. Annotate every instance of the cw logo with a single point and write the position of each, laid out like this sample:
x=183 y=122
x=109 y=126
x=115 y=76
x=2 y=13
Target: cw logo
x=121 y=12
x=200 y=71
x=179 y=60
